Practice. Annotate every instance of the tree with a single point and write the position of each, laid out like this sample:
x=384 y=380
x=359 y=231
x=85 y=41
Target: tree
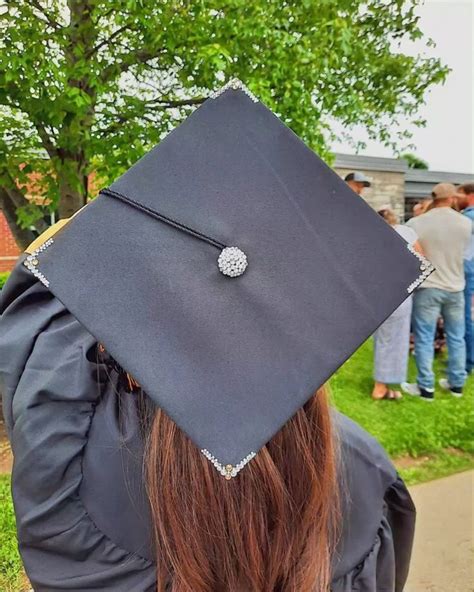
x=414 y=161
x=89 y=85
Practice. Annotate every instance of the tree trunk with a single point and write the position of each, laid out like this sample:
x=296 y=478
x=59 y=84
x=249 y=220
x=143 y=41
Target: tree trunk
x=72 y=180
x=70 y=200
x=23 y=236
x=72 y=166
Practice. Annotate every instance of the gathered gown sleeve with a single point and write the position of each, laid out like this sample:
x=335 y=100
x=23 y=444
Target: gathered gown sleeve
x=385 y=567
x=51 y=384
x=401 y=516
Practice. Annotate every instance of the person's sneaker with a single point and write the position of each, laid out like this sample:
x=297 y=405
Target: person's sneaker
x=414 y=390
x=456 y=391
x=411 y=388
x=426 y=395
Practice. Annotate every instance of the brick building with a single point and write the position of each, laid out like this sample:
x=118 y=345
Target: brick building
x=387 y=176
x=8 y=248
x=393 y=183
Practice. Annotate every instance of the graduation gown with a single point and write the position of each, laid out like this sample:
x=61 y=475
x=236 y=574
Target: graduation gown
x=82 y=515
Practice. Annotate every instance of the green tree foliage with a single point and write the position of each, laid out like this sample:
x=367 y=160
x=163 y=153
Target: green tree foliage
x=414 y=161
x=3 y=278
x=90 y=85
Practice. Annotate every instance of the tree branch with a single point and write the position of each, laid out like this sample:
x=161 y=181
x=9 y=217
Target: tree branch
x=121 y=119
x=107 y=41
x=19 y=200
x=23 y=236
x=48 y=19
x=105 y=14
x=177 y=103
x=46 y=140
x=128 y=60
x=102 y=133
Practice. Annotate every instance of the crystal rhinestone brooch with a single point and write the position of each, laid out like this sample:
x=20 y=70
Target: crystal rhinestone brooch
x=232 y=262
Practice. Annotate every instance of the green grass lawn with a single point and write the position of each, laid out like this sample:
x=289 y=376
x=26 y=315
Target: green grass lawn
x=438 y=435
x=426 y=440
x=12 y=578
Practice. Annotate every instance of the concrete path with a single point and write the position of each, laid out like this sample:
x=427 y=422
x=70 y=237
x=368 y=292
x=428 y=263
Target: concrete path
x=443 y=558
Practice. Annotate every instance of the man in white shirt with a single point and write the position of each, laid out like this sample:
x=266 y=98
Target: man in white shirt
x=444 y=235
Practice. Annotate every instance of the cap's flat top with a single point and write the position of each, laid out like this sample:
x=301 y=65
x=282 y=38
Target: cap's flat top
x=230 y=359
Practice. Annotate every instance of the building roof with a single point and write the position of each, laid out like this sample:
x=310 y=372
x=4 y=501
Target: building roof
x=419 y=183
x=369 y=163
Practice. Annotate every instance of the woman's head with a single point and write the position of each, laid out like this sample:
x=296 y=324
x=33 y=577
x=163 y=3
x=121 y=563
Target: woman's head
x=389 y=216
x=272 y=528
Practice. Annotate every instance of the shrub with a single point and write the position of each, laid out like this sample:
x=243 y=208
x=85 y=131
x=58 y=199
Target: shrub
x=3 y=278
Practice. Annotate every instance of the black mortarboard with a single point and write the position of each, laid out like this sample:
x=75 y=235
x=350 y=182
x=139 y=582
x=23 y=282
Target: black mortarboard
x=230 y=359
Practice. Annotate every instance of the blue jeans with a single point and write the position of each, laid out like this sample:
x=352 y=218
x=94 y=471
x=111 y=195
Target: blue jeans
x=428 y=305
x=469 y=299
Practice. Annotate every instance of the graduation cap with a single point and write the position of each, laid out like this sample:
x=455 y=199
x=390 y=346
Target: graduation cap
x=231 y=272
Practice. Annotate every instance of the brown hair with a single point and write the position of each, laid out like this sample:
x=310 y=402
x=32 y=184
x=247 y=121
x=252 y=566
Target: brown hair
x=389 y=216
x=467 y=188
x=270 y=529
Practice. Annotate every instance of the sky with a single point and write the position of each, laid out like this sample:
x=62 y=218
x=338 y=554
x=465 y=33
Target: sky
x=446 y=143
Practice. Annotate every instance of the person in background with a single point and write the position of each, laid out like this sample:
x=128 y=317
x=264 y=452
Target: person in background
x=421 y=207
x=444 y=235
x=357 y=181
x=392 y=338
x=466 y=204
x=418 y=209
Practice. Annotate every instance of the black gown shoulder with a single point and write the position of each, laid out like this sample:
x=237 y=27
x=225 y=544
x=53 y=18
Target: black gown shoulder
x=82 y=516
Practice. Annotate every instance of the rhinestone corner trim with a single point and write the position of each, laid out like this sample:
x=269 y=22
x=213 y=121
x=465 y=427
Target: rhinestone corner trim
x=228 y=471
x=426 y=269
x=234 y=84
x=31 y=262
